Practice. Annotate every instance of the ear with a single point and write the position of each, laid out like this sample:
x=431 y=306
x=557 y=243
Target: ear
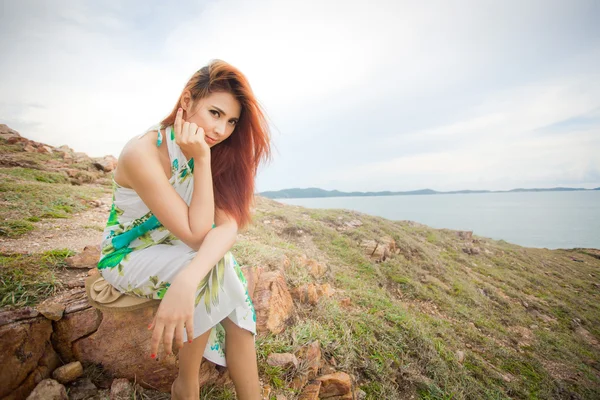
x=186 y=100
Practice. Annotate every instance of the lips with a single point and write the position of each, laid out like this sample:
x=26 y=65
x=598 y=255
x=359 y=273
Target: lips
x=211 y=140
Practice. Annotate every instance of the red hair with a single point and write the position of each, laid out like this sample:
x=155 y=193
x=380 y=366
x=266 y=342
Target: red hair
x=234 y=161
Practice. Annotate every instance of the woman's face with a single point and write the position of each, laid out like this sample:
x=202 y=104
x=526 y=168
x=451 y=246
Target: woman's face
x=217 y=114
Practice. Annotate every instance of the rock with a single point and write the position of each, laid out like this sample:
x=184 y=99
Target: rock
x=266 y=392
x=282 y=360
x=6 y=132
x=311 y=391
x=48 y=389
x=47 y=363
x=360 y=394
x=29 y=148
x=82 y=389
x=346 y=302
x=310 y=356
x=252 y=275
x=51 y=310
x=23 y=342
x=122 y=346
x=460 y=356
x=74 y=325
x=379 y=250
x=43 y=149
x=337 y=384
x=121 y=389
x=316 y=269
x=106 y=164
x=68 y=372
x=471 y=250
x=272 y=303
x=88 y=258
x=312 y=293
x=467 y=235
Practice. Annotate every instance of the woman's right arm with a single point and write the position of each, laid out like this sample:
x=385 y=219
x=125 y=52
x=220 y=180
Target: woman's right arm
x=144 y=172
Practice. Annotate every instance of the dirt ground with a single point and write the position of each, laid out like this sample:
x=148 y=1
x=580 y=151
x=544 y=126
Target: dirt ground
x=74 y=233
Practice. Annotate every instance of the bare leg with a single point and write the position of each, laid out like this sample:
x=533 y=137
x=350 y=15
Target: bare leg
x=187 y=386
x=240 y=355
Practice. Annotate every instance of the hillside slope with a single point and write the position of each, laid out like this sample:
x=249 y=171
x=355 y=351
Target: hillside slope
x=415 y=311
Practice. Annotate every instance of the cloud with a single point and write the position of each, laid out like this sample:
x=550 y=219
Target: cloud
x=414 y=93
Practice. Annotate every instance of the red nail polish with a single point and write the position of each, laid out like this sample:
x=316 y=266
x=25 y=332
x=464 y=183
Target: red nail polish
x=152 y=355
x=149 y=326
x=190 y=341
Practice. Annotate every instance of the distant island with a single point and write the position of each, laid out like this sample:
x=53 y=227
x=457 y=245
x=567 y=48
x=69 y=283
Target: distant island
x=297 y=193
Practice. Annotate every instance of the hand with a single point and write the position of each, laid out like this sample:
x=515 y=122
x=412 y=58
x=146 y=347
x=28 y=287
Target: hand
x=175 y=310
x=190 y=137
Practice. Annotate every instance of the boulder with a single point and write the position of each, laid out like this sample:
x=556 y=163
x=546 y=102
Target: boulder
x=68 y=372
x=46 y=364
x=106 y=164
x=252 y=275
x=23 y=342
x=282 y=360
x=310 y=356
x=121 y=389
x=337 y=384
x=311 y=391
x=48 y=389
x=122 y=346
x=272 y=303
x=88 y=258
x=311 y=293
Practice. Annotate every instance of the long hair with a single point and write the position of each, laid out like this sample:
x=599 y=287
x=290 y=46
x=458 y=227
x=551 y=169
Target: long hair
x=234 y=161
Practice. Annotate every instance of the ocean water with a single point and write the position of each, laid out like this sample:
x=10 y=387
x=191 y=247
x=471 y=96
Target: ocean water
x=533 y=219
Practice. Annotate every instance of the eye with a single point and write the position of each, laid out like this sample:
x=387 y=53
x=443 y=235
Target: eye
x=215 y=113
x=233 y=122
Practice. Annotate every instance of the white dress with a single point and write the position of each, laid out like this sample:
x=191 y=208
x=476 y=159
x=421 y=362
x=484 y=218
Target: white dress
x=141 y=257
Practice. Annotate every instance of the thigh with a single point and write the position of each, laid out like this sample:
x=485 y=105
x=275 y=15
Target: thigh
x=232 y=329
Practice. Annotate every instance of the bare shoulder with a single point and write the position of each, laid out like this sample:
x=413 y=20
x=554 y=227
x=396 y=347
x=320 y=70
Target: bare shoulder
x=140 y=150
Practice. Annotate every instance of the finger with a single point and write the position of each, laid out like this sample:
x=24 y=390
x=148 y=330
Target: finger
x=185 y=132
x=193 y=129
x=179 y=335
x=168 y=339
x=156 y=335
x=178 y=122
x=151 y=325
x=189 y=327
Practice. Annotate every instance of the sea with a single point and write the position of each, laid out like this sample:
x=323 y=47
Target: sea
x=552 y=220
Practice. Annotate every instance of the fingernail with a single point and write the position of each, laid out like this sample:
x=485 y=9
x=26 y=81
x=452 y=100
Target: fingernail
x=152 y=355
x=149 y=326
x=180 y=109
x=190 y=341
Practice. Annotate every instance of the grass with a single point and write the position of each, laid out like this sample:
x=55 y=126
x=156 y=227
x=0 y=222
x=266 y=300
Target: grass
x=26 y=202
x=26 y=280
x=414 y=311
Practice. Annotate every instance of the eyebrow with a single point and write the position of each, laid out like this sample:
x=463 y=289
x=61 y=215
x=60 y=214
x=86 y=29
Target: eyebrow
x=223 y=112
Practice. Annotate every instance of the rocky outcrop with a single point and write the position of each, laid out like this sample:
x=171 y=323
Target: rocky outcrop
x=65 y=329
x=272 y=303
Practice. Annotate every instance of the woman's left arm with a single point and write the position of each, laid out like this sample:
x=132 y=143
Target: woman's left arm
x=216 y=243
x=177 y=307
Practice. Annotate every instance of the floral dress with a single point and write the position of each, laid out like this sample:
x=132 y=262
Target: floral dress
x=141 y=257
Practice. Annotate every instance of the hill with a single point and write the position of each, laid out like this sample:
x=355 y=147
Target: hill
x=297 y=193
x=401 y=309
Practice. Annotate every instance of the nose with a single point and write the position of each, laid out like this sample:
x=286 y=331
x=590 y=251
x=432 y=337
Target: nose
x=220 y=127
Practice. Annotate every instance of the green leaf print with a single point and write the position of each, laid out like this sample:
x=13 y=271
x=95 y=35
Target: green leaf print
x=210 y=285
x=115 y=213
x=113 y=259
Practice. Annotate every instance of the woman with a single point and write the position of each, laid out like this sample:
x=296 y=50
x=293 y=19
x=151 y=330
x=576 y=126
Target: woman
x=181 y=192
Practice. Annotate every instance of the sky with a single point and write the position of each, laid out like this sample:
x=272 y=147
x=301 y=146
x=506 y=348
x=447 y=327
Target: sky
x=360 y=95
